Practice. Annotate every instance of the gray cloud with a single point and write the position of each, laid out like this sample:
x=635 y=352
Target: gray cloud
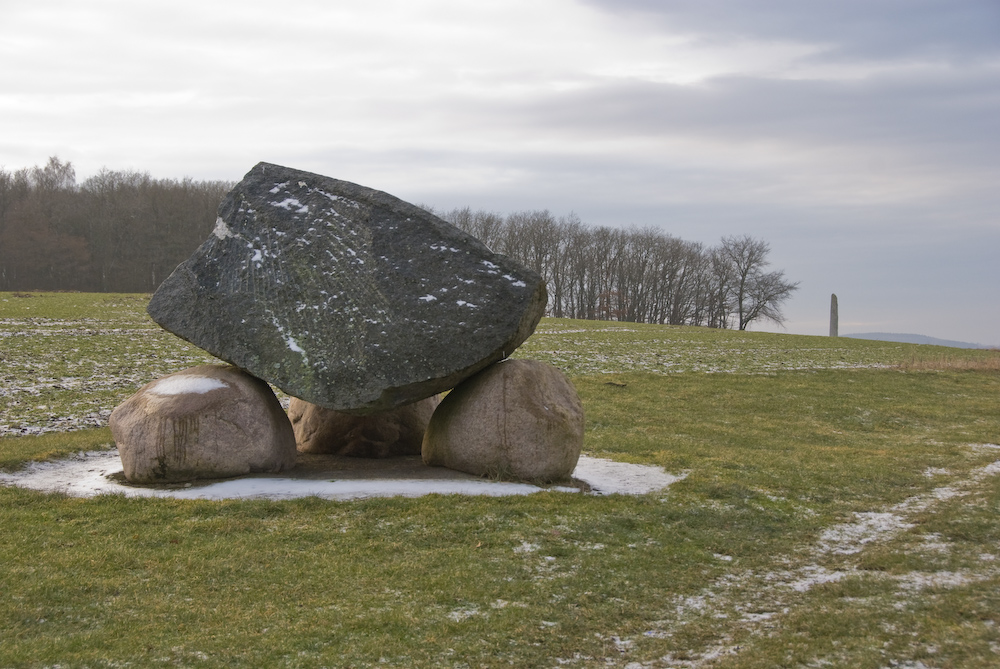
x=853 y=29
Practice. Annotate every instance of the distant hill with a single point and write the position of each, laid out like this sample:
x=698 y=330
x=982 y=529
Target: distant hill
x=913 y=339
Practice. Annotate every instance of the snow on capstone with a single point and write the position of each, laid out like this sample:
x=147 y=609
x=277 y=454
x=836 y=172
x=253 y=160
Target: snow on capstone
x=514 y=280
x=289 y=203
x=293 y=345
x=183 y=384
x=221 y=230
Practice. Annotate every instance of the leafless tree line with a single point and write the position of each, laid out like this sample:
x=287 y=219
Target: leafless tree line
x=118 y=231
x=123 y=231
x=637 y=275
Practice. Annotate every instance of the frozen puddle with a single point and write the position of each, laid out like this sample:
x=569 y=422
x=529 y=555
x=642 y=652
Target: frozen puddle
x=99 y=472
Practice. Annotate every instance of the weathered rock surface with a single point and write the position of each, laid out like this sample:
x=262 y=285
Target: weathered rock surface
x=399 y=431
x=344 y=296
x=518 y=419
x=212 y=421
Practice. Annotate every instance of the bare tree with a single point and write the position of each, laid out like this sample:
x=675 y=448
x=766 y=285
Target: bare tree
x=638 y=275
x=56 y=175
x=752 y=292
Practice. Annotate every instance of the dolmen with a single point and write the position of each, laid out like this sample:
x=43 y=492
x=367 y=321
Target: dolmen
x=363 y=309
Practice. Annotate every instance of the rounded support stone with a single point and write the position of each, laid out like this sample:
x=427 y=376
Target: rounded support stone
x=212 y=421
x=518 y=419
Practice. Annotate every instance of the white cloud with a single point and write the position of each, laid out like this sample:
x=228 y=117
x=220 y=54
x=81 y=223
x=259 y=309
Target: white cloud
x=800 y=122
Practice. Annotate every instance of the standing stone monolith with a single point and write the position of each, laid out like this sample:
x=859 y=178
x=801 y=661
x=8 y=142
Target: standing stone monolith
x=345 y=296
x=834 y=316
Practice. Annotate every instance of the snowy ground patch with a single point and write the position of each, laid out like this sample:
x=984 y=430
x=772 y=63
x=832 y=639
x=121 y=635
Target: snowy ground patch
x=99 y=472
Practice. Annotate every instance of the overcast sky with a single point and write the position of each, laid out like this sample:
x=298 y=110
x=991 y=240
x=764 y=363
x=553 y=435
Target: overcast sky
x=860 y=138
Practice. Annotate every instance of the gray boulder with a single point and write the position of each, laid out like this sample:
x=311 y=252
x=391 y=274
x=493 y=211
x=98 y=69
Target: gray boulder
x=399 y=431
x=519 y=419
x=212 y=421
x=344 y=296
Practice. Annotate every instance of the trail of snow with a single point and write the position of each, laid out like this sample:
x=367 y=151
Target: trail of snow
x=748 y=592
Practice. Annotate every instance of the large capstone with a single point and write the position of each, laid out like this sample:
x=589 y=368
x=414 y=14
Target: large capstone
x=345 y=296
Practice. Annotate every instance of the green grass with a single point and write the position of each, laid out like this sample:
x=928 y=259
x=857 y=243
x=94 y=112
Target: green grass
x=67 y=359
x=600 y=347
x=15 y=452
x=785 y=440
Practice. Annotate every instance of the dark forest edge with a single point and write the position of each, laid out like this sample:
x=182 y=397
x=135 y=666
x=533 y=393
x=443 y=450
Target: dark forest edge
x=124 y=231
x=118 y=231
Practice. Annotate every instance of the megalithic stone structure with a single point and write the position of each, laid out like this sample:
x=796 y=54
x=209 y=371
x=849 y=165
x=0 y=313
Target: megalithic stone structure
x=345 y=296
x=834 y=316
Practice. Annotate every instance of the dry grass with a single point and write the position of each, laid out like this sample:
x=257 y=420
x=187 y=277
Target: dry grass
x=987 y=360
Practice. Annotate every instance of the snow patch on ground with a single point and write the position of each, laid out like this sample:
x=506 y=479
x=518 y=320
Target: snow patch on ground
x=88 y=474
x=850 y=538
x=941 y=579
x=812 y=575
x=464 y=613
x=607 y=477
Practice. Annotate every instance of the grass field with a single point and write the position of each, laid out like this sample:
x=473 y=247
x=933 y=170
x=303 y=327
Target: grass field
x=840 y=509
